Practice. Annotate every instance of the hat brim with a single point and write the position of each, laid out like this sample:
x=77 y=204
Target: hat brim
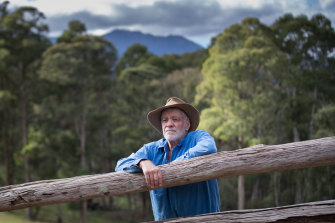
x=154 y=117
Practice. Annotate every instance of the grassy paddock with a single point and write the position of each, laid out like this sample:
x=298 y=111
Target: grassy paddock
x=48 y=214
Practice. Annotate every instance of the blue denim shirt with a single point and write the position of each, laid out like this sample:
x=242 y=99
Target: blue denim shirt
x=180 y=201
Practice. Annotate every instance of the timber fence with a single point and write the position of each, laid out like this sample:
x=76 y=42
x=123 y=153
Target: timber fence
x=252 y=160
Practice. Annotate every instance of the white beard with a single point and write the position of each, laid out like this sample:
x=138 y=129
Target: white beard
x=173 y=136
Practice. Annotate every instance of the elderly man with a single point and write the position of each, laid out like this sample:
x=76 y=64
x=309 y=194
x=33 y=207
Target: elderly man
x=178 y=122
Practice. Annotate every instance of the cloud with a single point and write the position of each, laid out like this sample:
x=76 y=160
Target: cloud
x=194 y=19
x=187 y=16
x=327 y=3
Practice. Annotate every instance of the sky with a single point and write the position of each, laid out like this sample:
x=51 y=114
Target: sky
x=196 y=20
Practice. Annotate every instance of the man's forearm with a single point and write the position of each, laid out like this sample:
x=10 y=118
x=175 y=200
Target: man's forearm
x=152 y=173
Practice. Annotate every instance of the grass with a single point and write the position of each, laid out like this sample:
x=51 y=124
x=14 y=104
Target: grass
x=48 y=214
x=126 y=209
x=7 y=217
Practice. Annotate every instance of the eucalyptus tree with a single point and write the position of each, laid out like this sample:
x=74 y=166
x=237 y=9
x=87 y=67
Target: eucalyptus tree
x=22 y=34
x=310 y=45
x=182 y=83
x=80 y=66
x=6 y=98
x=240 y=87
x=135 y=55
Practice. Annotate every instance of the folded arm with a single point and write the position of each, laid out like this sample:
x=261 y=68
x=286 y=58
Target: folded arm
x=140 y=162
x=205 y=145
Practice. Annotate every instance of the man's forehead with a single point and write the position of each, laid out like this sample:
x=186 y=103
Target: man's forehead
x=172 y=111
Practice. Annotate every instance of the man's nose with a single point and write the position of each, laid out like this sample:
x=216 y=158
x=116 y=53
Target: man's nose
x=169 y=122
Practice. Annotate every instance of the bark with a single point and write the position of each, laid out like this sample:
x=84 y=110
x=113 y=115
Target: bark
x=59 y=214
x=311 y=123
x=241 y=193
x=240 y=182
x=144 y=204
x=296 y=135
x=253 y=160
x=6 y=151
x=255 y=191
x=24 y=123
x=83 y=213
x=276 y=188
x=298 y=190
x=80 y=125
x=111 y=203
x=323 y=211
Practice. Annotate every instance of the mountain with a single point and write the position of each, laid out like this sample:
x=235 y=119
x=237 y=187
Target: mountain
x=157 y=45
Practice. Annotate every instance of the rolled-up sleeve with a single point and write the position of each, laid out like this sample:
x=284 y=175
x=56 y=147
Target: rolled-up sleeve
x=205 y=144
x=130 y=164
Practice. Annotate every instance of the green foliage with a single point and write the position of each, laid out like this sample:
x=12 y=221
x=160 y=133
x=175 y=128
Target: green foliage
x=134 y=56
x=78 y=74
x=75 y=28
x=143 y=71
x=325 y=121
x=239 y=86
x=309 y=45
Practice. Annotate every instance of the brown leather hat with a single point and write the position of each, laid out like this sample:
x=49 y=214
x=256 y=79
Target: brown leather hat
x=193 y=114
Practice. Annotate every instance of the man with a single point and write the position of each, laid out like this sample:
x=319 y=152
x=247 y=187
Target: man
x=177 y=121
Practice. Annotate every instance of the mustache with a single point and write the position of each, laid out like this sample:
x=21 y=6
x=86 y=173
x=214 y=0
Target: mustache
x=170 y=129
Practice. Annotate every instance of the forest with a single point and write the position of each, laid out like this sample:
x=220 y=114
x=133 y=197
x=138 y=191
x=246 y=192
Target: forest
x=73 y=108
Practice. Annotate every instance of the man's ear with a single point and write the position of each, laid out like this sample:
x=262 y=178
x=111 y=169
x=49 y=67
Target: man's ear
x=188 y=125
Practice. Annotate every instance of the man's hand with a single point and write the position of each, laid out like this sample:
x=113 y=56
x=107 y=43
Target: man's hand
x=152 y=173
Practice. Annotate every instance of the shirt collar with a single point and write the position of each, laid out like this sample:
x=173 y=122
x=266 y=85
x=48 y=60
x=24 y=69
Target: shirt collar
x=163 y=142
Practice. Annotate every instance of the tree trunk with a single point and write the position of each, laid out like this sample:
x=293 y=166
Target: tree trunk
x=298 y=190
x=276 y=188
x=24 y=123
x=111 y=203
x=240 y=184
x=6 y=151
x=311 y=123
x=81 y=131
x=82 y=138
x=296 y=135
x=83 y=212
x=130 y=203
x=144 y=204
x=241 y=193
x=255 y=191
x=59 y=214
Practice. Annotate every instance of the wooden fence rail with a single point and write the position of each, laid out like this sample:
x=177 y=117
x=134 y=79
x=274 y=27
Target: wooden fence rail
x=314 y=212
x=252 y=160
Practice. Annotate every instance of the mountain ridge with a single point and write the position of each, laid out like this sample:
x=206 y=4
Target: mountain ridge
x=158 y=45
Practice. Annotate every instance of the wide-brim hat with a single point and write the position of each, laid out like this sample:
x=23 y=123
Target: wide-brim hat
x=154 y=117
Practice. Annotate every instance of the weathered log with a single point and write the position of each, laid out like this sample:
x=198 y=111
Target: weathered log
x=322 y=211
x=253 y=160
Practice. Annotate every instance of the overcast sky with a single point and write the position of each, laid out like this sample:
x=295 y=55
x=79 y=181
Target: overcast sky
x=197 y=20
